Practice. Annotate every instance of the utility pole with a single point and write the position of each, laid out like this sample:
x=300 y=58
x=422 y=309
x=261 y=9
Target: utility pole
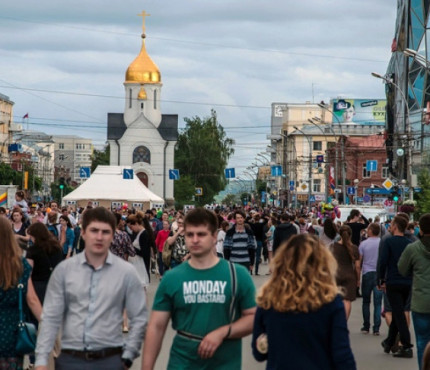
x=309 y=139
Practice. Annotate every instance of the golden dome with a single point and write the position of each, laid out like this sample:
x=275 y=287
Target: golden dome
x=143 y=70
x=142 y=94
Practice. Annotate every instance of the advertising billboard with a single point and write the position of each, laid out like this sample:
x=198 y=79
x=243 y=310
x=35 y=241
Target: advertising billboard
x=359 y=111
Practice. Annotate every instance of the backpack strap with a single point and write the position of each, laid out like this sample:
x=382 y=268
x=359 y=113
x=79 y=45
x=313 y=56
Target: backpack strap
x=233 y=278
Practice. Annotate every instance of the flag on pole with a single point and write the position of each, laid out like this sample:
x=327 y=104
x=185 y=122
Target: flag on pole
x=331 y=179
x=25 y=116
x=3 y=200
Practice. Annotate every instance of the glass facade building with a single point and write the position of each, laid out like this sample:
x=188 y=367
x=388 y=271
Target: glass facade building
x=408 y=89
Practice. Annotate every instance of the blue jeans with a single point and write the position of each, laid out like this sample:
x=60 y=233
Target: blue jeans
x=368 y=285
x=160 y=263
x=422 y=333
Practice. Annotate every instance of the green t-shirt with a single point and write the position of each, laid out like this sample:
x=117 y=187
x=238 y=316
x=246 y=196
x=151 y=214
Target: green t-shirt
x=199 y=302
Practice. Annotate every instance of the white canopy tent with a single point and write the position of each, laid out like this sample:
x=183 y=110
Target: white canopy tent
x=107 y=187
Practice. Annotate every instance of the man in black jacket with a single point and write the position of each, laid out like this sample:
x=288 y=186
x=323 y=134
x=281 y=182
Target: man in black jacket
x=283 y=232
x=398 y=287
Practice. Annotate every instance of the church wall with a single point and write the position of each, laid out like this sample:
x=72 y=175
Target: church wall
x=170 y=154
x=133 y=106
x=113 y=153
x=140 y=134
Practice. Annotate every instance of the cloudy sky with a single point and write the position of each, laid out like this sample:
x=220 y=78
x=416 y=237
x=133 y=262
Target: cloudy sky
x=64 y=63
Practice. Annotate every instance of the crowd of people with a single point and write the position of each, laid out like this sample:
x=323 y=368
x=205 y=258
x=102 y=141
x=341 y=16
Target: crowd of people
x=86 y=271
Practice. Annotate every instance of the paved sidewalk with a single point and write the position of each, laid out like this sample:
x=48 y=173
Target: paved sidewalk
x=367 y=348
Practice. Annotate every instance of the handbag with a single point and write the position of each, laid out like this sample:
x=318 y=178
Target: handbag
x=166 y=255
x=27 y=334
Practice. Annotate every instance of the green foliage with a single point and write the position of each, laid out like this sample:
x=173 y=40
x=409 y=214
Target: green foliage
x=230 y=199
x=261 y=186
x=423 y=198
x=245 y=198
x=9 y=176
x=100 y=157
x=184 y=191
x=56 y=192
x=202 y=152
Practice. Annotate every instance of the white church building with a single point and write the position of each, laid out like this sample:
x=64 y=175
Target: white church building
x=142 y=137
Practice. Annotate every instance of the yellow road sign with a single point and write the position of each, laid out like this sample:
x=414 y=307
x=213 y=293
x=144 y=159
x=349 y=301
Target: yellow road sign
x=387 y=184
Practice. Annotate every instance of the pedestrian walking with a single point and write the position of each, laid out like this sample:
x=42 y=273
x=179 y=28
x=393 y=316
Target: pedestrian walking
x=160 y=240
x=176 y=241
x=284 y=231
x=239 y=243
x=86 y=296
x=14 y=271
x=328 y=232
x=357 y=223
x=143 y=244
x=369 y=250
x=415 y=260
x=397 y=287
x=300 y=322
x=67 y=236
x=210 y=301
x=347 y=257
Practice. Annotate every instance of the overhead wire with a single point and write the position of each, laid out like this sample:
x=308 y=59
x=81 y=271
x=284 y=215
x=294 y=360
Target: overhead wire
x=199 y=43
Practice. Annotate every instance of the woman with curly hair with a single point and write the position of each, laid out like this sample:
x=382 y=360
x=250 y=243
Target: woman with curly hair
x=300 y=321
x=348 y=271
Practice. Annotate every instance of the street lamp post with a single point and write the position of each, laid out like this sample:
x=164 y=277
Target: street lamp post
x=372 y=188
x=407 y=129
x=336 y=154
x=342 y=151
x=327 y=172
x=356 y=182
x=310 y=166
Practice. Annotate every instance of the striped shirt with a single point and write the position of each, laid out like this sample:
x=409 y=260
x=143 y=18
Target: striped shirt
x=239 y=243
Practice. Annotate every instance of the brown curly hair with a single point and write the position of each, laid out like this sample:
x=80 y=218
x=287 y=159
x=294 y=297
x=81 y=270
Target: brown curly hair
x=303 y=277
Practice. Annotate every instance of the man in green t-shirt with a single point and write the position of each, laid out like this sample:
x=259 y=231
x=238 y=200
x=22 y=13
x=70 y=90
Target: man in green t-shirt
x=196 y=295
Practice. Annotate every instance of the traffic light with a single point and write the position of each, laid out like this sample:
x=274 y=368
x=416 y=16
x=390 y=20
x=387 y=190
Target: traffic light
x=395 y=194
x=62 y=182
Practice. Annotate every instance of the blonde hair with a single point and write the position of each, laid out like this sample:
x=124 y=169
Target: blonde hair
x=10 y=256
x=303 y=277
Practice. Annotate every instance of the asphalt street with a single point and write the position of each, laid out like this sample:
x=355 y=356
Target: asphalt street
x=366 y=348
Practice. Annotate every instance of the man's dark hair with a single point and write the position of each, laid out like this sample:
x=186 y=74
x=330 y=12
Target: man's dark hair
x=98 y=214
x=200 y=216
x=425 y=223
x=285 y=217
x=401 y=223
x=404 y=215
x=354 y=213
x=239 y=212
x=375 y=229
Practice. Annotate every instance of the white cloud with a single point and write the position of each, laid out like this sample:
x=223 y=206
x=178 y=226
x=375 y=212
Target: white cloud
x=226 y=52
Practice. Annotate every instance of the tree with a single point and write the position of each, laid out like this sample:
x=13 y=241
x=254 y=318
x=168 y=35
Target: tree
x=202 y=152
x=423 y=198
x=9 y=176
x=230 y=200
x=184 y=191
x=100 y=157
x=56 y=191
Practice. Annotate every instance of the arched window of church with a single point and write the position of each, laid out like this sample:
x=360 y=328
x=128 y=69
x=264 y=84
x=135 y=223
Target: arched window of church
x=155 y=99
x=142 y=154
x=130 y=98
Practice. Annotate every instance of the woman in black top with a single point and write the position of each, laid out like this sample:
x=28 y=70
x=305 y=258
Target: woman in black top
x=43 y=256
x=19 y=226
x=144 y=244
